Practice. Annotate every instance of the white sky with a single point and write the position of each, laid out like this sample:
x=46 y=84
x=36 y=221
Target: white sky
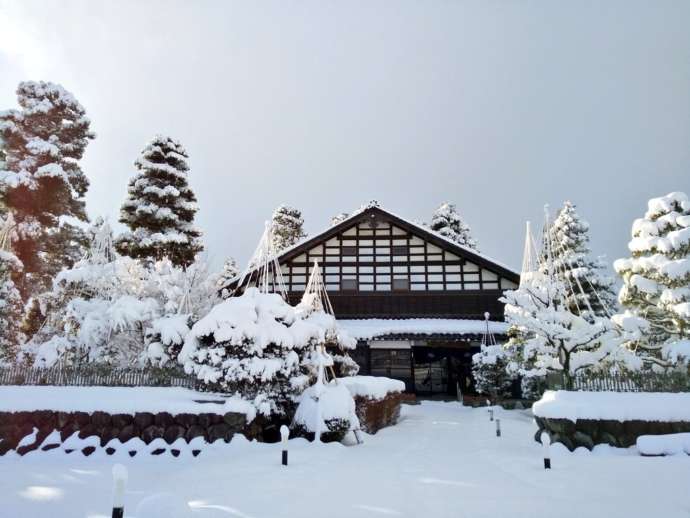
x=496 y=106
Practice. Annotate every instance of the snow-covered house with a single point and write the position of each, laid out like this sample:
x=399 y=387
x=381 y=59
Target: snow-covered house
x=413 y=299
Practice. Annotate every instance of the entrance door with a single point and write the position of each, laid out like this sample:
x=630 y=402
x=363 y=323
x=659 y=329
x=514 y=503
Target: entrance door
x=439 y=370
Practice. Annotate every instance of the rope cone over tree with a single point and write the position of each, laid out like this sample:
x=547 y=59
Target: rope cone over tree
x=260 y=349
x=554 y=325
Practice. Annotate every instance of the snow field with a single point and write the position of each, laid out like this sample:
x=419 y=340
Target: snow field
x=442 y=460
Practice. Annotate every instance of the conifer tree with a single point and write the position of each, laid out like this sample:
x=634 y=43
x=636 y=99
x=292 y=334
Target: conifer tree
x=656 y=282
x=587 y=288
x=160 y=207
x=339 y=218
x=287 y=227
x=447 y=222
x=229 y=272
x=10 y=301
x=41 y=181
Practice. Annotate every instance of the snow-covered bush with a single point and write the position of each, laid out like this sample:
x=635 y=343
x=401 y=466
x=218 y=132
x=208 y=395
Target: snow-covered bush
x=326 y=411
x=258 y=347
x=113 y=309
x=656 y=282
x=490 y=371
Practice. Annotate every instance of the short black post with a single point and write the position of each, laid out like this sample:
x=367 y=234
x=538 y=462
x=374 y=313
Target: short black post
x=119 y=481
x=498 y=427
x=546 y=442
x=491 y=414
x=284 y=435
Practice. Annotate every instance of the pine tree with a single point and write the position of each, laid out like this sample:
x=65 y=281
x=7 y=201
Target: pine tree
x=656 y=281
x=447 y=222
x=160 y=207
x=287 y=227
x=339 y=218
x=584 y=280
x=229 y=272
x=10 y=300
x=42 y=182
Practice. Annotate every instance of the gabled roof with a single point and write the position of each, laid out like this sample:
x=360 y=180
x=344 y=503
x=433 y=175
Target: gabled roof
x=414 y=228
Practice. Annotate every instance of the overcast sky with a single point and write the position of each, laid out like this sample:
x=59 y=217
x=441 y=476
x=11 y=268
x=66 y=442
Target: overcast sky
x=497 y=106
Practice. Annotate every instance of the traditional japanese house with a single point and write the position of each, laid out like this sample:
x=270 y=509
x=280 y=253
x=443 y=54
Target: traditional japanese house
x=415 y=300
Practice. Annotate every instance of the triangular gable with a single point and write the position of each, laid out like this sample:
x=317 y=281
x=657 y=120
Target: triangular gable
x=373 y=247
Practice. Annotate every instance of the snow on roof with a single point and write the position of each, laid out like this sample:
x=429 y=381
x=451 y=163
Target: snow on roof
x=374 y=327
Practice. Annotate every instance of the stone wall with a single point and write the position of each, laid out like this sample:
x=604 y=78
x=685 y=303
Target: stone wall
x=590 y=432
x=375 y=414
x=144 y=425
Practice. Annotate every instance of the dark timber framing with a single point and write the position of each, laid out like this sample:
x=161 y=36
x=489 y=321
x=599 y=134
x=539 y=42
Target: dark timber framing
x=377 y=265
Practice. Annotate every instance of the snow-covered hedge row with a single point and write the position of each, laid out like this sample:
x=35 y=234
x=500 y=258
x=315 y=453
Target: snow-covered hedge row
x=372 y=387
x=117 y=400
x=614 y=406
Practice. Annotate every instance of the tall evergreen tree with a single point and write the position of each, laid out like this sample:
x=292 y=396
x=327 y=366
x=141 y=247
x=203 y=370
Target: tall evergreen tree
x=160 y=207
x=229 y=272
x=287 y=227
x=41 y=181
x=656 y=281
x=585 y=282
x=11 y=306
x=447 y=222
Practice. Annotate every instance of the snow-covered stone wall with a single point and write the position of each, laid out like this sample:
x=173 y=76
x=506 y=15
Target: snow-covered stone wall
x=617 y=418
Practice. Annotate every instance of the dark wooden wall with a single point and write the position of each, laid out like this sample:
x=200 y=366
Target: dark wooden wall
x=465 y=304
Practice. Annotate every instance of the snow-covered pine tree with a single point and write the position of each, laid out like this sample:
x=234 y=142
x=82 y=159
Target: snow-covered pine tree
x=656 y=282
x=41 y=182
x=160 y=207
x=584 y=279
x=339 y=218
x=490 y=372
x=550 y=337
x=447 y=222
x=11 y=306
x=250 y=347
x=227 y=274
x=287 y=227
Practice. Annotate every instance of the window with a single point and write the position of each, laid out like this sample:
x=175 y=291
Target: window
x=401 y=284
x=349 y=250
x=348 y=285
x=400 y=250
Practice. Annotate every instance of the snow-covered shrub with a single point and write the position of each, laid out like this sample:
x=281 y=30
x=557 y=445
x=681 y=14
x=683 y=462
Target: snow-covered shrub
x=326 y=411
x=115 y=310
x=656 y=281
x=258 y=347
x=490 y=371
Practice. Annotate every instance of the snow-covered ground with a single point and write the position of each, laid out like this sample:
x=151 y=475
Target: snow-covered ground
x=441 y=460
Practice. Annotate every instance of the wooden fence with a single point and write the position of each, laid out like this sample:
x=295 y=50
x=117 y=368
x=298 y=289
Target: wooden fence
x=95 y=375
x=645 y=381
